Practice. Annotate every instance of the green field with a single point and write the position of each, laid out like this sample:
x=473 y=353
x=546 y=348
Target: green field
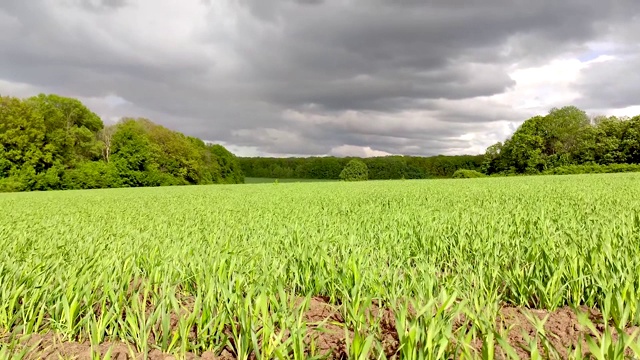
x=252 y=180
x=424 y=269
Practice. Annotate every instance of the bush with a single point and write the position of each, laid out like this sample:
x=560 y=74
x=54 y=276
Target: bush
x=12 y=184
x=592 y=169
x=50 y=179
x=467 y=174
x=92 y=175
x=355 y=170
x=159 y=178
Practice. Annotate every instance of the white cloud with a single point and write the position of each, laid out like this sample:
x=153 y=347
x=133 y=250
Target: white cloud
x=538 y=89
x=356 y=151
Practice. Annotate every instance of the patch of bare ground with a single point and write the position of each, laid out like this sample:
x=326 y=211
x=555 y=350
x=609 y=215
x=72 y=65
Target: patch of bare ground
x=562 y=329
x=326 y=328
x=50 y=347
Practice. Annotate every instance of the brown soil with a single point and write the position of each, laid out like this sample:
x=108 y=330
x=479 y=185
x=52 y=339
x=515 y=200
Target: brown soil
x=326 y=328
x=328 y=331
x=563 y=330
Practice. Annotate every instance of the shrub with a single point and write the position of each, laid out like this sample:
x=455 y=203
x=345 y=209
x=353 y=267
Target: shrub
x=467 y=174
x=355 y=170
x=12 y=184
x=592 y=169
x=91 y=175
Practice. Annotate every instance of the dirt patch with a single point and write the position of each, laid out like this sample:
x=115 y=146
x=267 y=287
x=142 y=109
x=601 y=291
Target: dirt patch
x=50 y=347
x=562 y=329
x=326 y=328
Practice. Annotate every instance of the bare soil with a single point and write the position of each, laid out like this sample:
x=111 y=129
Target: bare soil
x=326 y=328
x=562 y=327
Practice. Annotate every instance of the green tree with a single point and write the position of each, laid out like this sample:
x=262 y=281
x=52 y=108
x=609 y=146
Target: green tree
x=133 y=153
x=541 y=142
x=563 y=138
x=388 y=167
x=355 y=170
x=562 y=128
x=630 y=141
x=52 y=142
x=22 y=147
x=322 y=168
x=71 y=129
x=491 y=160
x=230 y=170
x=524 y=151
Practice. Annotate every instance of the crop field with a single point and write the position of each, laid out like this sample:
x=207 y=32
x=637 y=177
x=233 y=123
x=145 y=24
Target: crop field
x=522 y=267
x=256 y=180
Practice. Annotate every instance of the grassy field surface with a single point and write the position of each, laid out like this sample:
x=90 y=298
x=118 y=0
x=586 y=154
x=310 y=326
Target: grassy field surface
x=526 y=267
x=251 y=180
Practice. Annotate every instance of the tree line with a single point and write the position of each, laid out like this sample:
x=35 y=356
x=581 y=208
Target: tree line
x=50 y=142
x=564 y=141
x=567 y=140
x=379 y=168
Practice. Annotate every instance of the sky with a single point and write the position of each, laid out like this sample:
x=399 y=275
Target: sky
x=328 y=77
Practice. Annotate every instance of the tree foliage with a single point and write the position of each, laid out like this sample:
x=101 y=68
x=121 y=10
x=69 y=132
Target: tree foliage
x=593 y=169
x=467 y=174
x=49 y=142
x=565 y=137
x=380 y=168
x=355 y=170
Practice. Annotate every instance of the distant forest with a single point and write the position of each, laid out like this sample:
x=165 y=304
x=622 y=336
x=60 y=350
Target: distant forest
x=49 y=142
x=380 y=168
x=565 y=141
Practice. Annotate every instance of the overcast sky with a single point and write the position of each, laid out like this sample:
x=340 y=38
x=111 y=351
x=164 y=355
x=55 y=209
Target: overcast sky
x=337 y=77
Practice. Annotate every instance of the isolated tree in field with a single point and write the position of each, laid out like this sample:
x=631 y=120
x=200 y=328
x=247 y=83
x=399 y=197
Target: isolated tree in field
x=355 y=170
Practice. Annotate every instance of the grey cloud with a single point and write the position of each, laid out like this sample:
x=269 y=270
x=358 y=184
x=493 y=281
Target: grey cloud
x=611 y=84
x=411 y=135
x=395 y=89
x=413 y=50
x=101 y=5
x=614 y=83
x=237 y=73
x=114 y=3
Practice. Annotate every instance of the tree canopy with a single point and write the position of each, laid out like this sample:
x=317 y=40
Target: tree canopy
x=49 y=142
x=565 y=137
x=380 y=168
x=355 y=170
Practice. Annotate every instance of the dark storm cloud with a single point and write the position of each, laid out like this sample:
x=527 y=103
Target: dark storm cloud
x=231 y=70
x=406 y=50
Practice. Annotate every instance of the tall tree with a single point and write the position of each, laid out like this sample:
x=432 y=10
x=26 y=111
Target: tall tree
x=565 y=136
x=106 y=136
x=22 y=135
x=70 y=128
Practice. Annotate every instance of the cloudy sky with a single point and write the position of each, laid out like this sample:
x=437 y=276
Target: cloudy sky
x=337 y=77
